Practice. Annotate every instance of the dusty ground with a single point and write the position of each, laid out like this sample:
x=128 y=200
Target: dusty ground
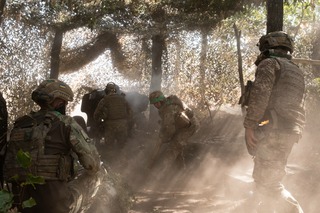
x=217 y=176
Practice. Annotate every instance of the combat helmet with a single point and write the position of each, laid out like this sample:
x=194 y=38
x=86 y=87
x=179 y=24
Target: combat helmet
x=156 y=96
x=111 y=88
x=51 y=89
x=276 y=39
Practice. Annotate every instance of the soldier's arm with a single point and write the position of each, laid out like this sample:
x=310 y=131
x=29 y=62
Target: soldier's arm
x=82 y=145
x=260 y=92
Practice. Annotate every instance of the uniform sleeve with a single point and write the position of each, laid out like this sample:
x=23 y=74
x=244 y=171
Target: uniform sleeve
x=100 y=110
x=168 y=128
x=82 y=145
x=261 y=92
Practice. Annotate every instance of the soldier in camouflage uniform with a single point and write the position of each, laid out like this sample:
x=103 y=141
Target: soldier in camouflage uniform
x=177 y=125
x=274 y=121
x=54 y=160
x=114 y=111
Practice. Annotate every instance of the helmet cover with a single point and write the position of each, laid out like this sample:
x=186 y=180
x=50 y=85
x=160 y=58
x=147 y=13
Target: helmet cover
x=111 y=88
x=276 y=39
x=51 y=89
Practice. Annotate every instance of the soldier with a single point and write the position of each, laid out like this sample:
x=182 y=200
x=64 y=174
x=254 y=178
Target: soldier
x=274 y=121
x=177 y=125
x=50 y=137
x=89 y=104
x=114 y=111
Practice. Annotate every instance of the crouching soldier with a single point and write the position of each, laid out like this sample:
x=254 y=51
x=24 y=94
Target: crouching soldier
x=52 y=140
x=177 y=125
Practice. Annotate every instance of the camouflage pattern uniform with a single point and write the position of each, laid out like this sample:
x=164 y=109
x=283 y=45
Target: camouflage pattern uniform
x=277 y=96
x=64 y=144
x=174 y=133
x=114 y=110
x=65 y=137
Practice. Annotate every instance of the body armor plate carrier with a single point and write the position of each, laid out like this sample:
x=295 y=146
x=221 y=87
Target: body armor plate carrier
x=288 y=94
x=116 y=107
x=29 y=134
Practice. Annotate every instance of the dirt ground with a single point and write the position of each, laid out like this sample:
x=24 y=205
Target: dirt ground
x=216 y=177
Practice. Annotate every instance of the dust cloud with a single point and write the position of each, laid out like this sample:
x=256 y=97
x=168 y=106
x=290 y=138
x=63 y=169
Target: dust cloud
x=215 y=176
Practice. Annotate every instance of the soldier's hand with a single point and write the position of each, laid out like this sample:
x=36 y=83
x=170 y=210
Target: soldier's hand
x=251 y=140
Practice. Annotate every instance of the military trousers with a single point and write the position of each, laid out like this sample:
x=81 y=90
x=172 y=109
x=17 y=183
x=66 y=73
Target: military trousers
x=270 y=162
x=116 y=133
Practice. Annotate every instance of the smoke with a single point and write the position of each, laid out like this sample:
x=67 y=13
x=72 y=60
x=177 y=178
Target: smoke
x=216 y=173
x=215 y=176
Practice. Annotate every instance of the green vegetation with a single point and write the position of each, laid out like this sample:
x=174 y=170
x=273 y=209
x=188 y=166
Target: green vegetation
x=6 y=197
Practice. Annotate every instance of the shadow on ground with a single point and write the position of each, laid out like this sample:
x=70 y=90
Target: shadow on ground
x=217 y=175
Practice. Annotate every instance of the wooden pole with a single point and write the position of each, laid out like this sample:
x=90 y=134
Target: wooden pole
x=306 y=61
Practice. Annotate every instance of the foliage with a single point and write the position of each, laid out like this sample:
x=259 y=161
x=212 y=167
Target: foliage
x=6 y=201
x=28 y=203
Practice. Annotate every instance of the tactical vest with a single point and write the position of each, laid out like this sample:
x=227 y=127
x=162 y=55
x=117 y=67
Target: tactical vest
x=175 y=100
x=287 y=97
x=116 y=107
x=30 y=134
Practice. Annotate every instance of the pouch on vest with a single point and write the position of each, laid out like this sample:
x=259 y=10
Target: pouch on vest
x=28 y=135
x=182 y=120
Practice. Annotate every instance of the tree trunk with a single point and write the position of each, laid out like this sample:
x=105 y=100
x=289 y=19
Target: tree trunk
x=156 y=76
x=55 y=54
x=157 y=51
x=177 y=62
x=316 y=53
x=2 y=6
x=203 y=65
x=274 y=15
x=237 y=33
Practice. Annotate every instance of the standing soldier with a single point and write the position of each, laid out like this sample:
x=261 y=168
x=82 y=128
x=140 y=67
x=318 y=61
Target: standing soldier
x=49 y=137
x=178 y=123
x=114 y=111
x=274 y=121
